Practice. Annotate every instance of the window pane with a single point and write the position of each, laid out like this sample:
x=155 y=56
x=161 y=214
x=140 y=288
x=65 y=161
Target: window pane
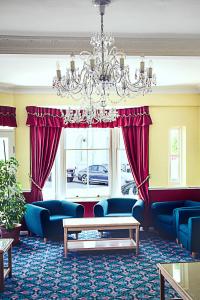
x=175 y=141
x=4 y=141
x=174 y=168
x=76 y=172
x=87 y=169
x=82 y=138
x=98 y=138
x=76 y=138
x=128 y=186
x=84 y=164
x=175 y=156
x=99 y=175
x=48 y=190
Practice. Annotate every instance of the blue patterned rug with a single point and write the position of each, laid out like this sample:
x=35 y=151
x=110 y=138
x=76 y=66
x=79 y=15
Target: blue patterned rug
x=41 y=272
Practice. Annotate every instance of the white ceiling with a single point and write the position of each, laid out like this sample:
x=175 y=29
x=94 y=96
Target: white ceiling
x=39 y=70
x=80 y=17
x=163 y=20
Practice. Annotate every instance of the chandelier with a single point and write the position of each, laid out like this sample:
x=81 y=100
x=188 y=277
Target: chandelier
x=103 y=77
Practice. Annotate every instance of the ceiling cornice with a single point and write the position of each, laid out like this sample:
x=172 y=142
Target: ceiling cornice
x=179 y=89
x=158 y=45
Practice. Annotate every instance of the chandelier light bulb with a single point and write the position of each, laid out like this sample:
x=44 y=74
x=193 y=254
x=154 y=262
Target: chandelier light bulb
x=58 y=72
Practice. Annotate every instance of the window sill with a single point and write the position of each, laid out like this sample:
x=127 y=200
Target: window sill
x=95 y=199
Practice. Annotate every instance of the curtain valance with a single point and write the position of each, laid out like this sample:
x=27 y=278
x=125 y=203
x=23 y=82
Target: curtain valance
x=8 y=116
x=44 y=117
x=51 y=117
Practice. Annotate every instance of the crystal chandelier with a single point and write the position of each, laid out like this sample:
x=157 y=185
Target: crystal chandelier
x=103 y=77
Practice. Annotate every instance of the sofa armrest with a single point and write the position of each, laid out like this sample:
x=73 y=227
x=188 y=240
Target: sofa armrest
x=181 y=217
x=37 y=219
x=138 y=210
x=166 y=207
x=101 y=208
x=183 y=214
x=72 y=209
x=193 y=238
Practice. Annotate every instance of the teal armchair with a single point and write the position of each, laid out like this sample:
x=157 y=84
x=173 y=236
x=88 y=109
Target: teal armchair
x=44 y=218
x=188 y=228
x=120 y=207
x=164 y=215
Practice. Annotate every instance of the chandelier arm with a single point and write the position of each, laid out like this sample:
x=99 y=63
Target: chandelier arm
x=102 y=44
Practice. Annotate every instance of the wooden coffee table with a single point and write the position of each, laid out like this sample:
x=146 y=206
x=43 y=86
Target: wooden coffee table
x=105 y=223
x=5 y=246
x=184 y=277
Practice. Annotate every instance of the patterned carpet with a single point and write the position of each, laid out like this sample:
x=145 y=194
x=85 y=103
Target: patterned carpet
x=41 y=272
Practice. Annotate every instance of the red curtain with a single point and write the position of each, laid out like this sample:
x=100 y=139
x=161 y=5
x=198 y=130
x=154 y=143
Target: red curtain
x=8 y=116
x=45 y=137
x=136 y=140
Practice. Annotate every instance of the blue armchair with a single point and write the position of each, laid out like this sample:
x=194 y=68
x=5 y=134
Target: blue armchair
x=188 y=228
x=120 y=207
x=163 y=215
x=44 y=218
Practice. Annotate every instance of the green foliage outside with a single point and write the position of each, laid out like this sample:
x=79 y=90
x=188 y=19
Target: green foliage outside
x=12 y=201
x=175 y=146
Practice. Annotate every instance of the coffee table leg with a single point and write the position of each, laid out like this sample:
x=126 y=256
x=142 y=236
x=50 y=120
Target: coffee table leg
x=131 y=234
x=10 y=260
x=137 y=239
x=65 y=242
x=162 y=287
x=1 y=273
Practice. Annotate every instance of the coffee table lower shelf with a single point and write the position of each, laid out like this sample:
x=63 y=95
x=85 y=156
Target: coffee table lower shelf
x=103 y=244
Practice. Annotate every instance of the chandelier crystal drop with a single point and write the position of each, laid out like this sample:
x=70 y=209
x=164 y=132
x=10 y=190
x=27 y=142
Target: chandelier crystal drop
x=104 y=76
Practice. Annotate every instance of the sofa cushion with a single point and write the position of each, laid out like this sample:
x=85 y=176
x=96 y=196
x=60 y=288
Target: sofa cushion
x=168 y=219
x=119 y=215
x=59 y=217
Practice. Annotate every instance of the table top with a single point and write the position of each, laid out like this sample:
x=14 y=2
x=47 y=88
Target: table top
x=5 y=244
x=104 y=221
x=185 y=275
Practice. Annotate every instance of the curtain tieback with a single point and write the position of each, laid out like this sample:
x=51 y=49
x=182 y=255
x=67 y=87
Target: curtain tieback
x=39 y=188
x=147 y=178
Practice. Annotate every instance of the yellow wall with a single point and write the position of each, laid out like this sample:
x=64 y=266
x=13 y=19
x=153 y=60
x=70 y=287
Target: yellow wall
x=167 y=111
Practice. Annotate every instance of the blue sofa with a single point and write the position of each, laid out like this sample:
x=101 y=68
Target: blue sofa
x=163 y=215
x=188 y=228
x=120 y=207
x=44 y=218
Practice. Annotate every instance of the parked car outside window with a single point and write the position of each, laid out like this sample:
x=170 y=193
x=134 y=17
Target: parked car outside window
x=70 y=174
x=97 y=174
x=129 y=188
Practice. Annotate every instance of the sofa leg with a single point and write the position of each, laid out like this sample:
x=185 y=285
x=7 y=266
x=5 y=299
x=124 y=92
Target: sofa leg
x=45 y=240
x=194 y=254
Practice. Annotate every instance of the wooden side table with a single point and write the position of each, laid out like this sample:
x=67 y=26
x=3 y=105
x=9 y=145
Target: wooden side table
x=5 y=246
